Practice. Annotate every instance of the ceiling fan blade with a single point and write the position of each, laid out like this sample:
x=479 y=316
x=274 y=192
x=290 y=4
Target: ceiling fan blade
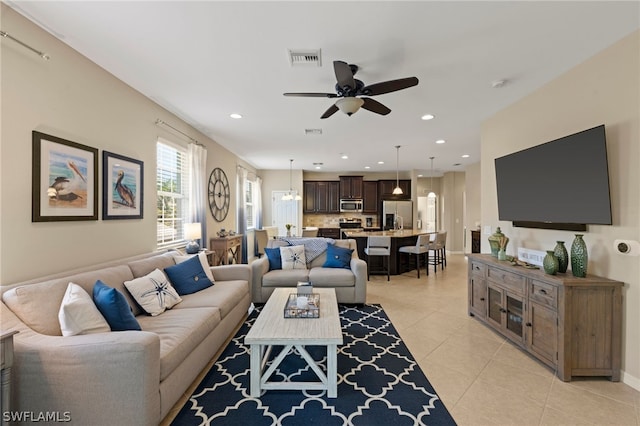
x=375 y=106
x=313 y=95
x=332 y=110
x=344 y=75
x=389 y=86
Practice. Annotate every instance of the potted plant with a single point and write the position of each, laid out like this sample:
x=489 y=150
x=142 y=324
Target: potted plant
x=289 y=226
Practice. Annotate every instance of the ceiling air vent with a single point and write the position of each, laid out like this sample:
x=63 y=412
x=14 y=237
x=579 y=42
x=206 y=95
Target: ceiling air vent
x=304 y=57
x=312 y=131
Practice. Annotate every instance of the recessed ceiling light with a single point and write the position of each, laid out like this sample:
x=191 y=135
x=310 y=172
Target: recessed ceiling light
x=380 y=162
x=440 y=141
x=318 y=167
x=419 y=175
x=465 y=156
x=344 y=156
x=428 y=117
x=236 y=116
x=367 y=167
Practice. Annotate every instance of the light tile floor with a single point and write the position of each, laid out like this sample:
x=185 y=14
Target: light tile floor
x=482 y=378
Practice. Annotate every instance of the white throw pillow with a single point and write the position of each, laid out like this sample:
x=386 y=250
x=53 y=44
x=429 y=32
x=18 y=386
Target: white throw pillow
x=79 y=315
x=293 y=257
x=153 y=292
x=203 y=261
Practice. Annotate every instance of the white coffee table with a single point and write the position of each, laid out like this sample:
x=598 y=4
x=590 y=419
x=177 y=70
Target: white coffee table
x=272 y=328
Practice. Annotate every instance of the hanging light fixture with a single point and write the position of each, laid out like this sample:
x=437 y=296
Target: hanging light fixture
x=289 y=196
x=431 y=194
x=397 y=190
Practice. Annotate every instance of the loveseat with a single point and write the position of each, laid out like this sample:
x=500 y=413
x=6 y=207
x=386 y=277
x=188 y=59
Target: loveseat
x=350 y=281
x=117 y=377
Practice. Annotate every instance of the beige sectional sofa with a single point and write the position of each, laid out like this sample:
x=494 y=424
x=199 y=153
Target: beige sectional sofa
x=124 y=377
x=350 y=284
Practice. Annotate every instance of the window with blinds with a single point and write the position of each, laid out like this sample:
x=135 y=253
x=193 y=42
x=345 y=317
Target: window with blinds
x=249 y=204
x=172 y=183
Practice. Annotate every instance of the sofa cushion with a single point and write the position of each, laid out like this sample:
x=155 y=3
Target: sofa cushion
x=285 y=278
x=320 y=260
x=114 y=308
x=203 y=261
x=79 y=315
x=338 y=257
x=37 y=305
x=188 y=277
x=153 y=292
x=293 y=257
x=142 y=267
x=332 y=277
x=225 y=295
x=180 y=332
x=275 y=260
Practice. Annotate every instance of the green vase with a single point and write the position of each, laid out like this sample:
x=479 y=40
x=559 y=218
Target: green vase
x=563 y=257
x=550 y=263
x=579 y=257
x=494 y=242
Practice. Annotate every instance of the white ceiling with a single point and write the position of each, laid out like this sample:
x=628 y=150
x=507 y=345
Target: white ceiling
x=204 y=60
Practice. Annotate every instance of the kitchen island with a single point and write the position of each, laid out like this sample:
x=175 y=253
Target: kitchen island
x=397 y=263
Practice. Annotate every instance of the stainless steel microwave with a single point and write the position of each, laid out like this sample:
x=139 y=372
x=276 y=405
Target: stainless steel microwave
x=348 y=206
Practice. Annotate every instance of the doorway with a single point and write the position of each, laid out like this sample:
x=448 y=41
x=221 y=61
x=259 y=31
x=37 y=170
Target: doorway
x=283 y=212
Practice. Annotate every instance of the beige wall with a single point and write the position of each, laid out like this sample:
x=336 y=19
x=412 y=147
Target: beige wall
x=72 y=98
x=472 y=194
x=604 y=89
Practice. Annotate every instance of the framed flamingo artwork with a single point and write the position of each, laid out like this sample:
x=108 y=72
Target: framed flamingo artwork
x=122 y=187
x=64 y=180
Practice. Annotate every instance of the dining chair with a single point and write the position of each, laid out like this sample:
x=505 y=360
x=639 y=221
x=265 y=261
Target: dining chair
x=378 y=246
x=420 y=249
x=262 y=237
x=437 y=245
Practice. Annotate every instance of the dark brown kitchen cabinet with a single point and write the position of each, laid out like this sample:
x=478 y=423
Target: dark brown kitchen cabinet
x=329 y=233
x=351 y=187
x=386 y=187
x=321 y=197
x=369 y=196
x=574 y=325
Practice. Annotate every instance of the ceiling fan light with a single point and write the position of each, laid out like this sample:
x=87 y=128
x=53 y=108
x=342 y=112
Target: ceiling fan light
x=349 y=105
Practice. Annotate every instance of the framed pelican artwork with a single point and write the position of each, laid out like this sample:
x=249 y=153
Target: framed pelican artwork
x=122 y=187
x=64 y=180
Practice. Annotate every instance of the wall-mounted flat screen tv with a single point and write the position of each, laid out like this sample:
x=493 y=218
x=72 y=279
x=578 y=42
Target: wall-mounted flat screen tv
x=558 y=184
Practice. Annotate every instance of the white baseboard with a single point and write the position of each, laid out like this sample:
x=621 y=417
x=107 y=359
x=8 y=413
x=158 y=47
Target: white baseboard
x=630 y=380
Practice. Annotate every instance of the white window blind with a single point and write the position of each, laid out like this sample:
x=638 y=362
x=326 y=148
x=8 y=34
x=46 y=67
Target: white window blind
x=249 y=203
x=172 y=186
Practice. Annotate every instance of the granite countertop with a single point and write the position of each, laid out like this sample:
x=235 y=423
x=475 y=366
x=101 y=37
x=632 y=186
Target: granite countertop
x=392 y=234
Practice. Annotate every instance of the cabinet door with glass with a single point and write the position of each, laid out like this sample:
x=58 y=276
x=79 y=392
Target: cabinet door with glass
x=505 y=311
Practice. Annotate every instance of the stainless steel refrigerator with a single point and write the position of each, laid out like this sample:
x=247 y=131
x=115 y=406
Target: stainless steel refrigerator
x=392 y=209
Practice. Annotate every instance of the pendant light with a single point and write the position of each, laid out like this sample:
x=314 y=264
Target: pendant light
x=431 y=194
x=397 y=190
x=289 y=196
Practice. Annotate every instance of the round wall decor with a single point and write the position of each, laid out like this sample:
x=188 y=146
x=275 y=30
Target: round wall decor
x=219 y=194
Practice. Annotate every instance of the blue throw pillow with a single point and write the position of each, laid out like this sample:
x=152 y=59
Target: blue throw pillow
x=114 y=308
x=275 y=259
x=338 y=257
x=188 y=277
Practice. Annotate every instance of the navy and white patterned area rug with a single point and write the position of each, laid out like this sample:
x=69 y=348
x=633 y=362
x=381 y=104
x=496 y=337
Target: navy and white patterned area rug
x=379 y=383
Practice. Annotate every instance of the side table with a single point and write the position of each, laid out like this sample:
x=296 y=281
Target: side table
x=6 y=354
x=225 y=248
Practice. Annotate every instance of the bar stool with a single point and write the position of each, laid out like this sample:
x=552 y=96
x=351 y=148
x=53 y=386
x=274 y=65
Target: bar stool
x=421 y=248
x=438 y=246
x=378 y=246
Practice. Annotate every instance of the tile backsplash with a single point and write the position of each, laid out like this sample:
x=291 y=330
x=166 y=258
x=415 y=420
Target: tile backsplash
x=333 y=220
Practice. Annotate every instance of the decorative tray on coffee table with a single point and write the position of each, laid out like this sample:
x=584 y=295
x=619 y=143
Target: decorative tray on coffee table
x=302 y=306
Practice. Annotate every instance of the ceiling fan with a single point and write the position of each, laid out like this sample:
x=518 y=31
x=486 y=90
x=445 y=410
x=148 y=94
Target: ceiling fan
x=353 y=92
